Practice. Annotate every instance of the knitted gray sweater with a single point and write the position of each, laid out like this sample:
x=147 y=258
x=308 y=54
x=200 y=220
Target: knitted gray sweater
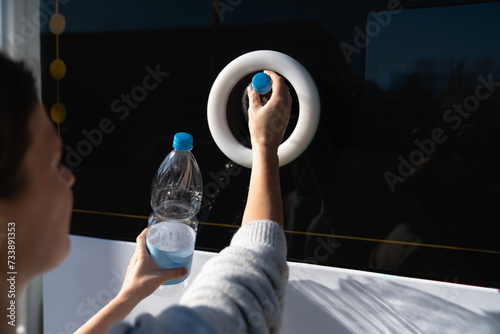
x=241 y=290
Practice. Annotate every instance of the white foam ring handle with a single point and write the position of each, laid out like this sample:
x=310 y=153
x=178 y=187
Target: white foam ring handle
x=256 y=61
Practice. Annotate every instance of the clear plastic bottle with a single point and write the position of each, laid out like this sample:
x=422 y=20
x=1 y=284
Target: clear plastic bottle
x=177 y=187
x=176 y=194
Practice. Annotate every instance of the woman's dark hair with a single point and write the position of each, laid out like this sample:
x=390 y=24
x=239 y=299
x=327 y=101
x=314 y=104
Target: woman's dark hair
x=17 y=101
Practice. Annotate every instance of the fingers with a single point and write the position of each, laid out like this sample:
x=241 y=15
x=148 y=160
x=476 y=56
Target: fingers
x=166 y=274
x=141 y=240
x=253 y=98
x=276 y=80
x=280 y=89
x=170 y=274
x=142 y=235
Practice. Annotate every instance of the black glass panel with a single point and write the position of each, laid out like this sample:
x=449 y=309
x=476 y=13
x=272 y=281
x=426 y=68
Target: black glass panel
x=430 y=58
x=396 y=179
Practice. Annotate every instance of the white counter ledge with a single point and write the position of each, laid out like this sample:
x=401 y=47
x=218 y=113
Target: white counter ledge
x=319 y=299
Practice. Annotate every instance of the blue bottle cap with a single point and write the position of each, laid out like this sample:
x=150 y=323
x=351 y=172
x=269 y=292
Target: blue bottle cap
x=183 y=141
x=261 y=83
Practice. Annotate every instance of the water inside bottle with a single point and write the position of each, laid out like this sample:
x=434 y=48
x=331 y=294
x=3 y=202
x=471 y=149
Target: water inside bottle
x=171 y=245
x=172 y=236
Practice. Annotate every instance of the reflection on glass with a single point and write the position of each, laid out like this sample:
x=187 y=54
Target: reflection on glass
x=422 y=58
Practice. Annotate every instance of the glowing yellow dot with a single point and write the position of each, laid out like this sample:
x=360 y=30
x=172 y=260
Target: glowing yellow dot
x=57 y=24
x=58 y=113
x=58 y=69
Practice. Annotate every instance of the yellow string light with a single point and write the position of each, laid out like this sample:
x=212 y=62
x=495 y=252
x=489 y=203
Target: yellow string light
x=57 y=25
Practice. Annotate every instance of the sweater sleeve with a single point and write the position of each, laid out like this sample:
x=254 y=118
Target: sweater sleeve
x=241 y=290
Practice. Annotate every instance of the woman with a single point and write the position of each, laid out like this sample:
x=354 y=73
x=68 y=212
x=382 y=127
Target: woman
x=240 y=290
